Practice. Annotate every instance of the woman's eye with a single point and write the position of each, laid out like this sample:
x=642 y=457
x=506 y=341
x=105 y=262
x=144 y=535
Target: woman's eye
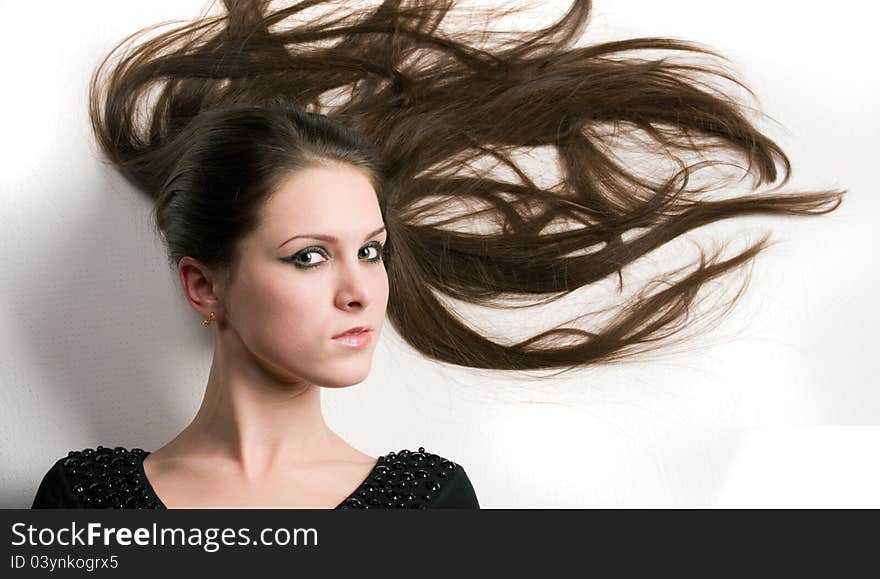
x=303 y=256
x=378 y=253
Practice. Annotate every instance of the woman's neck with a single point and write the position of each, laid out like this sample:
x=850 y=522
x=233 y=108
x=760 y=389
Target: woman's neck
x=255 y=423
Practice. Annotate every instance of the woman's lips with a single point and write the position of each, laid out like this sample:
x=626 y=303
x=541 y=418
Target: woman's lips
x=358 y=340
x=353 y=330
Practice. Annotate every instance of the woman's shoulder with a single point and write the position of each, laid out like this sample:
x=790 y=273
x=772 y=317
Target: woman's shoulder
x=100 y=477
x=417 y=479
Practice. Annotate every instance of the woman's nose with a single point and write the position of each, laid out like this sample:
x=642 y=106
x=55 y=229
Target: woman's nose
x=353 y=284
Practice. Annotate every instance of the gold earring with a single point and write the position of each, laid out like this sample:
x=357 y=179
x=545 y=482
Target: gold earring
x=209 y=320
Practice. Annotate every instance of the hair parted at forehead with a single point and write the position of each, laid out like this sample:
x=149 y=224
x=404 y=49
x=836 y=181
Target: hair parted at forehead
x=207 y=117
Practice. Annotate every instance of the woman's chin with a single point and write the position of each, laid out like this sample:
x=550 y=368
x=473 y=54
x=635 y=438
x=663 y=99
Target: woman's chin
x=344 y=379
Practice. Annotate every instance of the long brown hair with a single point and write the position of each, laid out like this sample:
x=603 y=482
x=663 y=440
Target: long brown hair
x=207 y=116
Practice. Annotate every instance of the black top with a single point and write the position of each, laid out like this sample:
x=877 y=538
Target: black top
x=114 y=478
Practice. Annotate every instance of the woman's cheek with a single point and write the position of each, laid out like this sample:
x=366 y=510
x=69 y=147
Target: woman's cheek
x=293 y=321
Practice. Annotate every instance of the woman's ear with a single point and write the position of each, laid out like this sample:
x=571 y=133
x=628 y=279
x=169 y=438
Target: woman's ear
x=203 y=287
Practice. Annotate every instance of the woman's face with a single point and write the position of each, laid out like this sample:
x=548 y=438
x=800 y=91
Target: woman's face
x=293 y=292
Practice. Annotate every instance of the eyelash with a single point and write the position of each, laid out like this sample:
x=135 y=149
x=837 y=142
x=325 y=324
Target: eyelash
x=318 y=249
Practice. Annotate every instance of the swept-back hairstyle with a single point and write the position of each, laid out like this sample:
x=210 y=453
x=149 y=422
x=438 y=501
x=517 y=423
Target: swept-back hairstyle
x=208 y=116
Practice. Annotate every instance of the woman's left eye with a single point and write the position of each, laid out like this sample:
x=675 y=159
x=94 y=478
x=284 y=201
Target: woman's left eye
x=295 y=258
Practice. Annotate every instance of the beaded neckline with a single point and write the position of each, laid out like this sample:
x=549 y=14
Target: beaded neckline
x=143 y=474
x=160 y=505
x=115 y=478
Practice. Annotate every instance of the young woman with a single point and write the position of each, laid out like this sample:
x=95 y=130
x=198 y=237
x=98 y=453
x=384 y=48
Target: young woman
x=273 y=218
x=297 y=186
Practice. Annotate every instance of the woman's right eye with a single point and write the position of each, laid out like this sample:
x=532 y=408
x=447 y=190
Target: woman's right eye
x=300 y=259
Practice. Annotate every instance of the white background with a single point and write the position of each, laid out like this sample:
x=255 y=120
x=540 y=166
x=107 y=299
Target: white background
x=777 y=407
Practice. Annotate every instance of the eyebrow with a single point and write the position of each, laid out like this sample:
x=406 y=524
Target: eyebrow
x=329 y=237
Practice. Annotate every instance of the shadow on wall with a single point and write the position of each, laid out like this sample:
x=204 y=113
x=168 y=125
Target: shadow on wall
x=105 y=339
